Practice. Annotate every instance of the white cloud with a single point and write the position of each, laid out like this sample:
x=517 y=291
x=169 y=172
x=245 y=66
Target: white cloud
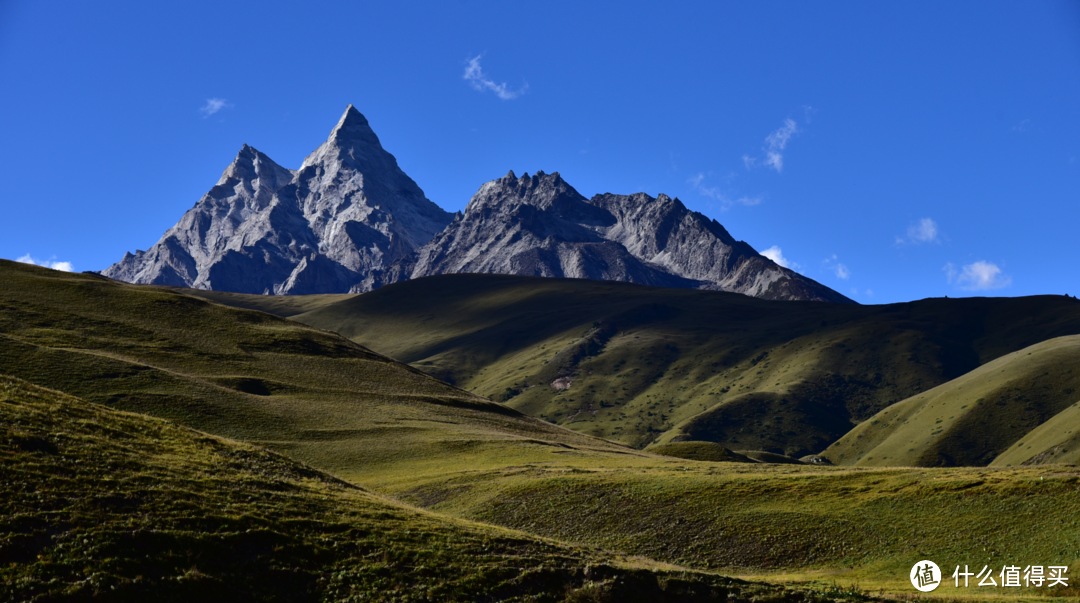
x=775 y=144
x=840 y=270
x=774 y=254
x=726 y=202
x=775 y=161
x=979 y=276
x=479 y=81
x=870 y=293
x=1023 y=126
x=213 y=105
x=778 y=139
x=923 y=231
x=62 y=266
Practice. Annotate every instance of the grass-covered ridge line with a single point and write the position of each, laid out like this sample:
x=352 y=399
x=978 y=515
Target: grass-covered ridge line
x=97 y=504
x=640 y=364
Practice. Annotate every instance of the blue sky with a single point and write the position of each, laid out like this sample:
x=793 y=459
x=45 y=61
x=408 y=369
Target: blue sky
x=890 y=150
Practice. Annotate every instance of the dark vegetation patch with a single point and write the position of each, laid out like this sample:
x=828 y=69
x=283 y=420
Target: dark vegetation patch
x=770 y=422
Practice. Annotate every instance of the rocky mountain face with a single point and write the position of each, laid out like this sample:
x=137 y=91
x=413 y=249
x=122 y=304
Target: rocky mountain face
x=325 y=228
x=541 y=226
x=349 y=220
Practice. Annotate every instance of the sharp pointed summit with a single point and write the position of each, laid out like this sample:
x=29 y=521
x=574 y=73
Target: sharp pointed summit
x=352 y=117
x=348 y=211
x=354 y=128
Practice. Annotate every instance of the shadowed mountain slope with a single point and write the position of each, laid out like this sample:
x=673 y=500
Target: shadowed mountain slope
x=1017 y=409
x=640 y=364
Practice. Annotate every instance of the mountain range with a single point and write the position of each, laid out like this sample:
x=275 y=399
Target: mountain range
x=350 y=220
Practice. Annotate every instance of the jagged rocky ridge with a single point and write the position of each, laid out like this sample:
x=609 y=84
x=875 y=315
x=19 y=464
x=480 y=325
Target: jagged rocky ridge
x=348 y=210
x=541 y=226
x=349 y=220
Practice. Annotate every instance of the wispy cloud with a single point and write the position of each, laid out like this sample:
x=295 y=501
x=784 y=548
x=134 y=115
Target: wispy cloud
x=480 y=81
x=775 y=254
x=923 y=231
x=775 y=144
x=979 y=276
x=726 y=202
x=1023 y=126
x=840 y=270
x=213 y=105
x=62 y=266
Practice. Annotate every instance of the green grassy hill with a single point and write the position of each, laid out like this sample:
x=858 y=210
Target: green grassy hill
x=1018 y=409
x=100 y=505
x=248 y=375
x=335 y=405
x=641 y=365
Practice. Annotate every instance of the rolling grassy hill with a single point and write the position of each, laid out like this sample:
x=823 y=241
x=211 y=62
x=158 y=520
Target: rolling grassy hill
x=641 y=365
x=100 y=505
x=1018 y=409
x=247 y=375
x=337 y=406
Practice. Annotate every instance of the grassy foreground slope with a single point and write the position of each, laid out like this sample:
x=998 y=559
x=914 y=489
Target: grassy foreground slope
x=249 y=375
x=640 y=364
x=792 y=522
x=1017 y=409
x=99 y=505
